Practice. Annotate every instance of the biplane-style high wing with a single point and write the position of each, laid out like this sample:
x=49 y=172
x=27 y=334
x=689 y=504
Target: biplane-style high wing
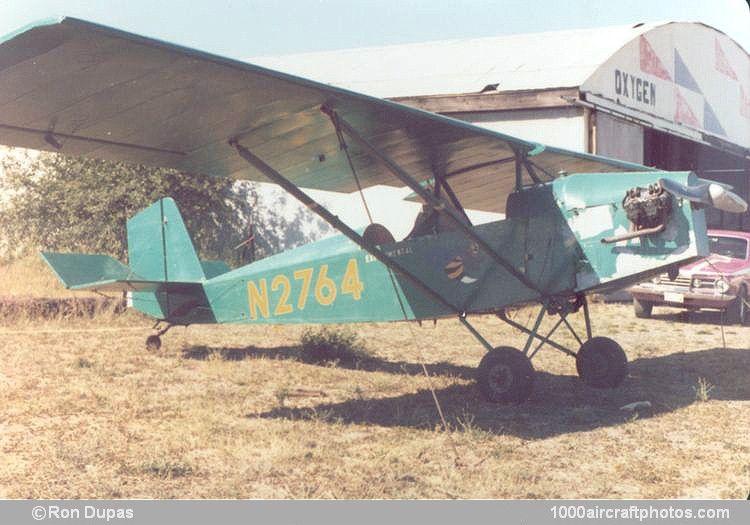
x=573 y=222
x=88 y=90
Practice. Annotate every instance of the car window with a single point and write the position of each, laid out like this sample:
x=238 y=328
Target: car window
x=728 y=246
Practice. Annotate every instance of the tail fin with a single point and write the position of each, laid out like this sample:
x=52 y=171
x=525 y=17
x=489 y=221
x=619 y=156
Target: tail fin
x=164 y=276
x=159 y=246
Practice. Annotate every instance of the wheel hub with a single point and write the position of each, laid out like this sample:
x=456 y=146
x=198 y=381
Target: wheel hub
x=501 y=378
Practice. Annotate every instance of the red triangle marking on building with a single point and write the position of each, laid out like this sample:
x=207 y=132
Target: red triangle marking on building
x=721 y=62
x=650 y=63
x=744 y=103
x=682 y=112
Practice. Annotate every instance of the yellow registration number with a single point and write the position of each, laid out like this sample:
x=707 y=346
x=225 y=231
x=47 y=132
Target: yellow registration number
x=325 y=290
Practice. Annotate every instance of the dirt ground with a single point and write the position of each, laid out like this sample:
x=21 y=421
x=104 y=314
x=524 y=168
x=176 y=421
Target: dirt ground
x=232 y=412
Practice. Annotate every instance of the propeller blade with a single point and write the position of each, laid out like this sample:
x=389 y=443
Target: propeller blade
x=722 y=184
x=707 y=193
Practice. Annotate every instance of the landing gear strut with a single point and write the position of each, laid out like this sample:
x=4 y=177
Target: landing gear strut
x=153 y=342
x=505 y=374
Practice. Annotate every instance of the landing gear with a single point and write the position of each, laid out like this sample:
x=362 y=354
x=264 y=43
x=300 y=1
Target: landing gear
x=601 y=363
x=505 y=375
x=153 y=342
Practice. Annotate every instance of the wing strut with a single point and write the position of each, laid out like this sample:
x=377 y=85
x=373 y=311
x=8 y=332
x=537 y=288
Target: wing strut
x=442 y=182
x=334 y=221
x=434 y=202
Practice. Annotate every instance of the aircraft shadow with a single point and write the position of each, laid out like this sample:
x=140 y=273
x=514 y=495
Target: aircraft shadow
x=559 y=405
x=294 y=353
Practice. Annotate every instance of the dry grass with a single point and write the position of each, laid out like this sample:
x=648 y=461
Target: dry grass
x=31 y=277
x=233 y=412
x=29 y=290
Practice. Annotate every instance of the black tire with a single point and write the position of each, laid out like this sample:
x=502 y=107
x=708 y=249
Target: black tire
x=737 y=312
x=601 y=363
x=505 y=375
x=153 y=343
x=642 y=309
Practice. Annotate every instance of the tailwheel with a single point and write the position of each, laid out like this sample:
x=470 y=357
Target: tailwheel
x=153 y=343
x=505 y=375
x=601 y=363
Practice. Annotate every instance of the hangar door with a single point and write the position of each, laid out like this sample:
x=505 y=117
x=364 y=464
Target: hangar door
x=620 y=139
x=669 y=152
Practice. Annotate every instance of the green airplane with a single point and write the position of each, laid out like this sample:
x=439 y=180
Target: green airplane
x=573 y=223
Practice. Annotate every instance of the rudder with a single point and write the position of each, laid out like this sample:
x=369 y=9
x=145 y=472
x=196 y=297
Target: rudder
x=160 y=247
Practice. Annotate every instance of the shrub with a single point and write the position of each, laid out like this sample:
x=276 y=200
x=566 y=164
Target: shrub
x=331 y=345
x=703 y=390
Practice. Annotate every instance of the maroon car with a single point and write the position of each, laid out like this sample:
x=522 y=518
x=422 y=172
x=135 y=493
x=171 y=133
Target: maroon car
x=719 y=281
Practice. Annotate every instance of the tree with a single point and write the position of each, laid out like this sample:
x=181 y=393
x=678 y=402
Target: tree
x=54 y=202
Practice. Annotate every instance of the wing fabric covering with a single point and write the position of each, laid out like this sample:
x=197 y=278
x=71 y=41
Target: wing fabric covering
x=89 y=90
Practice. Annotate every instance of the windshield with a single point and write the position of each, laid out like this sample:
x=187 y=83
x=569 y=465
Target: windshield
x=728 y=246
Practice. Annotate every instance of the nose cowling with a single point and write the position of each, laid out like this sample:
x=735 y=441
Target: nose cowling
x=707 y=194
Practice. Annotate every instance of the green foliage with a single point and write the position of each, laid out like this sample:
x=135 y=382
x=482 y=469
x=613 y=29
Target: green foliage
x=330 y=345
x=72 y=204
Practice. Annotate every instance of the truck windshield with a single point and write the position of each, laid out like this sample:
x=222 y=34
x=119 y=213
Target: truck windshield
x=728 y=246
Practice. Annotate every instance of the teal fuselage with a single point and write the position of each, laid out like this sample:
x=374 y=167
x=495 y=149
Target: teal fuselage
x=551 y=237
x=551 y=234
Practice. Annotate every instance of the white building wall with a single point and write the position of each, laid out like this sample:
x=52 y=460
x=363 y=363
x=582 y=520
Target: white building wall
x=618 y=139
x=561 y=127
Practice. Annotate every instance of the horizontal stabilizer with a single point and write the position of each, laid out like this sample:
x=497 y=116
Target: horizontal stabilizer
x=100 y=272
x=214 y=268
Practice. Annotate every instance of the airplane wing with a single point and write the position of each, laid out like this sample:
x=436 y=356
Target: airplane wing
x=83 y=89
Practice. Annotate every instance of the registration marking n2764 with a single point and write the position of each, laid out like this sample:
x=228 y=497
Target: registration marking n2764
x=325 y=290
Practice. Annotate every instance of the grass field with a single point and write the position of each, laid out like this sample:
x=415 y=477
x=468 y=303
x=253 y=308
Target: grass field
x=233 y=412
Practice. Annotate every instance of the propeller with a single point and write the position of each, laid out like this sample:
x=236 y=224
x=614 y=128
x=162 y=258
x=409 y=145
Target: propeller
x=706 y=194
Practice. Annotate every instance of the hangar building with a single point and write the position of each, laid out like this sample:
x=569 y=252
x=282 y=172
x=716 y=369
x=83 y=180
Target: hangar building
x=671 y=95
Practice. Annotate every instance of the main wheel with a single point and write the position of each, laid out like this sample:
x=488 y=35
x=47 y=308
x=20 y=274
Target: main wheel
x=601 y=363
x=642 y=309
x=153 y=343
x=737 y=311
x=505 y=375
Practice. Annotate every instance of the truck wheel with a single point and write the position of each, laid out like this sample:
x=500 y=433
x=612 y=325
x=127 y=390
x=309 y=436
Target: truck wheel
x=737 y=311
x=642 y=309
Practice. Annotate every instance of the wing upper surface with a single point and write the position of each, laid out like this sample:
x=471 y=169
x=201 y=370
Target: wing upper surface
x=89 y=90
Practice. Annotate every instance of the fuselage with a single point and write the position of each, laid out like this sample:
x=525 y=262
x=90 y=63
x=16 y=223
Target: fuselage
x=552 y=234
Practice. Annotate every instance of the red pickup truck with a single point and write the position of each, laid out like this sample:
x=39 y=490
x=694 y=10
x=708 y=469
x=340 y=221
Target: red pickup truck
x=720 y=281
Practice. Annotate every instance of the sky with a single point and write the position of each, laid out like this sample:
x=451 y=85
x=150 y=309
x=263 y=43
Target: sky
x=247 y=28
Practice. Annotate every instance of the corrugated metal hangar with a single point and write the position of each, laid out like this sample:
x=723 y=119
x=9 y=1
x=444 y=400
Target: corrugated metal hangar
x=671 y=95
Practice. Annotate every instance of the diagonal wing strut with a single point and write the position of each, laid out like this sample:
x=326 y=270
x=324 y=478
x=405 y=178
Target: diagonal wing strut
x=438 y=205
x=337 y=223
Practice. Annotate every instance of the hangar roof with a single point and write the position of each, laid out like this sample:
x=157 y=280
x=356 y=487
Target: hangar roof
x=687 y=78
x=514 y=62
